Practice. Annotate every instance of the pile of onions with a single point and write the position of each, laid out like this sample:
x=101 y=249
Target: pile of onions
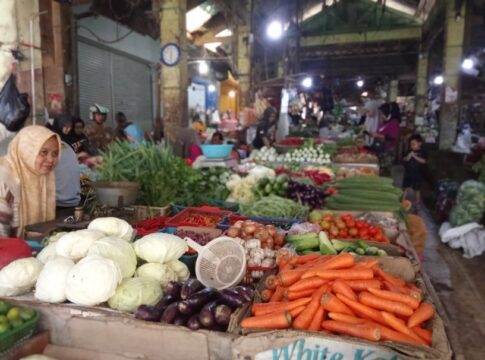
x=268 y=235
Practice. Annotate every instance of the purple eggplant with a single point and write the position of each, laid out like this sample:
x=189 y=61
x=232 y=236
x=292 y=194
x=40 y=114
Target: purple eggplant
x=148 y=313
x=165 y=301
x=246 y=292
x=232 y=298
x=173 y=288
x=206 y=315
x=170 y=313
x=190 y=287
x=222 y=314
x=194 y=323
x=181 y=320
x=195 y=301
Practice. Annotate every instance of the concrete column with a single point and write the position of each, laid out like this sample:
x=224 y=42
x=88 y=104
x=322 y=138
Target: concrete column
x=393 y=90
x=421 y=84
x=453 y=52
x=243 y=57
x=173 y=86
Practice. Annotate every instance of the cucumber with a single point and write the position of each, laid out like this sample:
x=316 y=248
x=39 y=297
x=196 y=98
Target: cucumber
x=362 y=244
x=360 y=251
x=371 y=251
x=326 y=247
x=340 y=245
x=381 y=252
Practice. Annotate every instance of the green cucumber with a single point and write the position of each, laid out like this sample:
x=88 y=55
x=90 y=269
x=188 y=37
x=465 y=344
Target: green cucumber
x=381 y=252
x=371 y=251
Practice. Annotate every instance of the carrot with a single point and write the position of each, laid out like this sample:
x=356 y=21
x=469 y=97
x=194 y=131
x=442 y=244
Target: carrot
x=266 y=294
x=345 y=318
x=278 y=294
x=305 y=318
x=362 y=310
x=364 y=331
x=314 y=263
x=279 y=306
x=302 y=259
x=361 y=285
x=424 y=334
x=366 y=264
x=389 y=278
x=424 y=312
x=340 y=286
x=289 y=277
x=305 y=284
x=293 y=295
x=375 y=302
x=341 y=261
x=390 y=295
x=271 y=281
x=296 y=311
x=281 y=320
x=392 y=335
x=283 y=263
x=317 y=319
x=331 y=303
x=399 y=325
x=347 y=274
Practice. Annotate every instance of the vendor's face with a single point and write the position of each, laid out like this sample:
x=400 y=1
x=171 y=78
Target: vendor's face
x=67 y=128
x=272 y=118
x=99 y=118
x=48 y=157
x=78 y=128
x=415 y=145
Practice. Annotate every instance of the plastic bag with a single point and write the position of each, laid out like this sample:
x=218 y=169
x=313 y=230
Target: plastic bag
x=14 y=107
x=470 y=204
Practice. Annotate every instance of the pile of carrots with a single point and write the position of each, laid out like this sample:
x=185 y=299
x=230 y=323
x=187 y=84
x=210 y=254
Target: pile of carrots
x=335 y=294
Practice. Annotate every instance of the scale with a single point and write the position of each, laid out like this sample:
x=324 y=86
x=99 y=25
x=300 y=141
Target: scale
x=203 y=162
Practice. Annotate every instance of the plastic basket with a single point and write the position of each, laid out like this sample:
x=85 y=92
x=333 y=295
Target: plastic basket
x=283 y=224
x=183 y=218
x=150 y=226
x=10 y=338
x=177 y=209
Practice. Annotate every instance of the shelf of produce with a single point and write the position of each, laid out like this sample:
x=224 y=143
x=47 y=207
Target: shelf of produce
x=283 y=224
x=204 y=216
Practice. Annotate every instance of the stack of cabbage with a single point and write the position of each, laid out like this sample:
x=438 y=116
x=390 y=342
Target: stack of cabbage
x=99 y=264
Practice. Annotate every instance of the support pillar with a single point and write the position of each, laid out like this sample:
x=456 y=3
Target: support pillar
x=173 y=79
x=421 y=85
x=453 y=52
x=243 y=58
x=393 y=90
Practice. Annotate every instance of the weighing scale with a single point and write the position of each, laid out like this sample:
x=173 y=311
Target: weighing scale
x=203 y=162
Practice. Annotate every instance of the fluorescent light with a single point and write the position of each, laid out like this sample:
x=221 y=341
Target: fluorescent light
x=438 y=80
x=365 y=94
x=232 y=94
x=396 y=5
x=212 y=46
x=360 y=83
x=196 y=17
x=274 y=30
x=203 y=68
x=468 y=64
x=211 y=88
x=224 y=33
x=307 y=82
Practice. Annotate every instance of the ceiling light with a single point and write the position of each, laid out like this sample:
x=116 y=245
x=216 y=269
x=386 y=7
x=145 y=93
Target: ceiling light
x=274 y=30
x=365 y=94
x=360 y=83
x=196 y=17
x=307 y=82
x=468 y=64
x=212 y=46
x=224 y=33
x=438 y=80
x=232 y=94
x=211 y=88
x=203 y=68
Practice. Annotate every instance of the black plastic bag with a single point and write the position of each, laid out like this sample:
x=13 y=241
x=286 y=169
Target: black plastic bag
x=14 y=107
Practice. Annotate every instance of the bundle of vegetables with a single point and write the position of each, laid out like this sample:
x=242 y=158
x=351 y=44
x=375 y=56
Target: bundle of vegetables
x=162 y=177
x=347 y=227
x=306 y=194
x=318 y=154
x=319 y=243
x=336 y=294
x=190 y=304
x=365 y=193
x=470 y=203
x=242 y=188
x=214 y=182
x=13 y=317
x=275 y=207
x=272 y=186
x=269 y=237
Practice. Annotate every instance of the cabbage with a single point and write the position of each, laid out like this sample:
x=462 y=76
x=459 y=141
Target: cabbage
x=160 y=248
x=48 y=253
x=92 y=281
x=118 y=250
x=115 y=227
x=55 y=236
x=160 y=272
x=19 y=276
x=75 y=245
x=180 y=269
x=51 y=284
x=135 y=292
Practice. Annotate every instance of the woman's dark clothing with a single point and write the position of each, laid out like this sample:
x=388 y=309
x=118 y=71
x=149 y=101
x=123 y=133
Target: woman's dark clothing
x=414 y=171
x=262 y=131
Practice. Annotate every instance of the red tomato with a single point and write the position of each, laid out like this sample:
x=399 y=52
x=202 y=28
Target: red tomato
x=363 y=232
x=359 y=224
x=379 y=237
x=365 y=237
x=353 y=232
x=350 y=223
x=372 y=230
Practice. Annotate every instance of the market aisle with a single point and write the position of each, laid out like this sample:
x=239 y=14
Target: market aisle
x=460 y=285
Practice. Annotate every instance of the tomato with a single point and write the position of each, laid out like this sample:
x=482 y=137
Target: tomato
x=325 y=225
x=359 y=224
x=353 y=231
x=346 y=217
x=379 y=237
x=328 y=218
x=334 y=230
x=340 y=224
x=363 y=232
x=350 y=223
x=372 y=230
x=365 y=237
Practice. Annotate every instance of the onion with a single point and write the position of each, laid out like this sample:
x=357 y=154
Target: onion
x=269 y=244
x=238 y=224
x=279 y=238
x=271 y=230
x=248 y=222
x=249 y=229
x=262 y=235
x=233 y=232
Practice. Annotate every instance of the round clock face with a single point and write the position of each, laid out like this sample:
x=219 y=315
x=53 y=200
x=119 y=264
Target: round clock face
x=170 y=54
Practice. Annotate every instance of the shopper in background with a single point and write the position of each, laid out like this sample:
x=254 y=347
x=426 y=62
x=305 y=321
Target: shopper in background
x=77 y=138
x=217 y=138
x=198 y=125
x=68 y=174
x=121 y=124
x=98 y=133
x=371 y=123
x=134 y=134
x=265 y=132
x=414 y=167
x=27 y=180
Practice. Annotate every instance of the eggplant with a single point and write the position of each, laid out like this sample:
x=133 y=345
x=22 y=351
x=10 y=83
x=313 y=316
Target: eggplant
x=170 y=313
x=246 y=292
x=190 y=287
x=165 y=301
x=197 y=300
x=181 y=320
x=206 y=315
x=173 y=288
x=232 y=298
x=222 y=314
x=148 y=313
x=194 y=323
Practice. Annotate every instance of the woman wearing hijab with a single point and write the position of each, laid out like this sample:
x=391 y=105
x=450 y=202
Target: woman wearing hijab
x=68 y=174
x=371 y=123
x=134 y=134
x=27 y=180
x=266 y=129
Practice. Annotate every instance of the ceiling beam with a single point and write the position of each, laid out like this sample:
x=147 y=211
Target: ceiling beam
x=363 y=37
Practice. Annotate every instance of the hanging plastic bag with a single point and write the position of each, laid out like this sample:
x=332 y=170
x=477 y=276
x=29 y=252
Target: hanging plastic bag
x=14 y=107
